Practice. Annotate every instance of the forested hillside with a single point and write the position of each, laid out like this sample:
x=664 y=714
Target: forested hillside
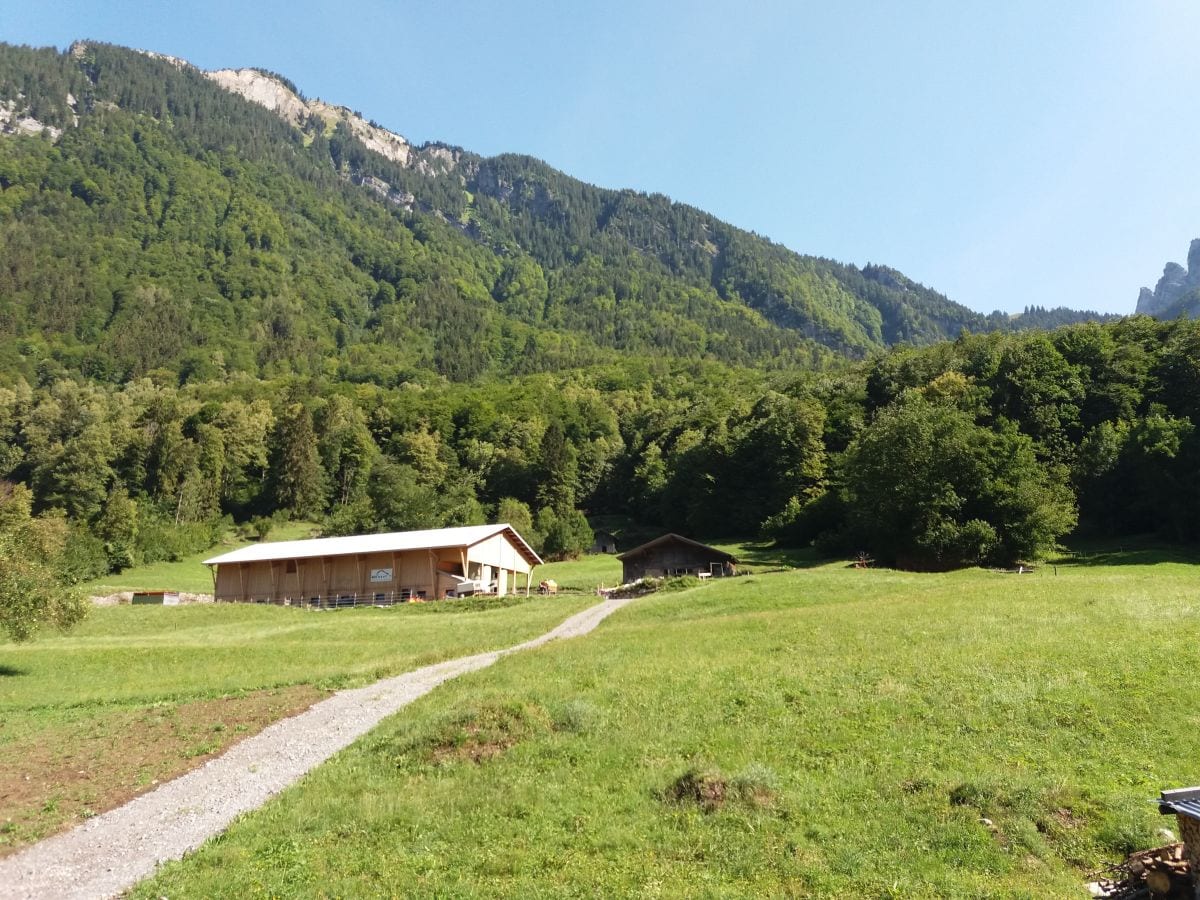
x=209 y=313
x=163 y=222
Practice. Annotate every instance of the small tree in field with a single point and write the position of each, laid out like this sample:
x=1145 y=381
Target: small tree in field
x=31 y=591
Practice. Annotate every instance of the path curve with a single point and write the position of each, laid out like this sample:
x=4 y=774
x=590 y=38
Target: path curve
x=114 y=851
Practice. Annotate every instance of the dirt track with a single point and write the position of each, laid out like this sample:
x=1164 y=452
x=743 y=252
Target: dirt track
x=112 y=852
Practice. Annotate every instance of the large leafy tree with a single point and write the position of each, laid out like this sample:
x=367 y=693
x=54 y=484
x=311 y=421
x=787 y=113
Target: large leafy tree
x=926 y=487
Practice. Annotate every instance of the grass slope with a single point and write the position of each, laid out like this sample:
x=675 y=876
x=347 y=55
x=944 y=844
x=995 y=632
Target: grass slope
x=825 y=732
x=583 y=574
x=161 y=685
x=188 y=574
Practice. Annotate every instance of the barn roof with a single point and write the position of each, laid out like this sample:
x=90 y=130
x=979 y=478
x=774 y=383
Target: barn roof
x=676 y=538
x=392 y=542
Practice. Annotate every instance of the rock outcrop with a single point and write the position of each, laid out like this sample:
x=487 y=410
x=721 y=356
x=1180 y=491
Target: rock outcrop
x=15 y=119
x=1177 y=292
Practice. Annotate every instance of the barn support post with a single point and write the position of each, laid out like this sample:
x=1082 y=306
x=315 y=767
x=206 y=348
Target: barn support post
x=212 y=570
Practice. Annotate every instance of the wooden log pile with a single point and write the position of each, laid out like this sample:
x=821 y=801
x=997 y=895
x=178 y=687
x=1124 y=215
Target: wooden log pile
x=1160 y=873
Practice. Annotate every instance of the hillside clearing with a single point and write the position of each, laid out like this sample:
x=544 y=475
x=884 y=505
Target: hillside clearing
x=827 y=732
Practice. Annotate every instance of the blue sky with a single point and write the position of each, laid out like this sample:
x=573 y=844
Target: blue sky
x=1003 y=153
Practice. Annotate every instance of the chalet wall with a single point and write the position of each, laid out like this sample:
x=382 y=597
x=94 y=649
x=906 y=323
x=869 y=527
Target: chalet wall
x=669 y=559
x=329 y=576
x=499 y=552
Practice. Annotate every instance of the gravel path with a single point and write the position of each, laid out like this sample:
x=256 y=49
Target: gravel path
x=114 y=851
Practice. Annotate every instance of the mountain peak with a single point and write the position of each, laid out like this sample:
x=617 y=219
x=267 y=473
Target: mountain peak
x=1177 y=292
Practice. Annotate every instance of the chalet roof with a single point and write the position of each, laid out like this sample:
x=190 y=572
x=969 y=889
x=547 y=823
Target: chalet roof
x=676 y=538
x=392 y=542
x=1183 y=801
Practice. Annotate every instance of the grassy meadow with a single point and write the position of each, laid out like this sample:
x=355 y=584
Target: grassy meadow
x=137 y=694
x=820 y=732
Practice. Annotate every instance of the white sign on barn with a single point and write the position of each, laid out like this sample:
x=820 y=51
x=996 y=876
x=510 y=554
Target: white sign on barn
x=381 y=576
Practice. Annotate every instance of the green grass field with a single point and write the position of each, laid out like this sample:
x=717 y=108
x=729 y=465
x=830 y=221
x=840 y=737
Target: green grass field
x=821 y=732
x=109 y=686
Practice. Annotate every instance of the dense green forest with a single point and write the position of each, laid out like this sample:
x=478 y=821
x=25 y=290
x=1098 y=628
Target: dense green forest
x=984 y=449
x=207 y=316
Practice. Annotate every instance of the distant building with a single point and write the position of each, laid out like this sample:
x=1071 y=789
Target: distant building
x=161 y=598
x=604 y=542
x=376 y=568
x=673 y=554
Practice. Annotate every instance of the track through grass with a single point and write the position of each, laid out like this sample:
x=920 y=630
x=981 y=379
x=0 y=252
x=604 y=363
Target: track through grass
x=168 y=687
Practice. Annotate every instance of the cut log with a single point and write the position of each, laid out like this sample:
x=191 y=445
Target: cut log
x=1159 y=882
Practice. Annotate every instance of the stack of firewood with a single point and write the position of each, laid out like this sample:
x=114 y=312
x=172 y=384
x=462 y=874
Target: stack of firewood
x=1158 y=873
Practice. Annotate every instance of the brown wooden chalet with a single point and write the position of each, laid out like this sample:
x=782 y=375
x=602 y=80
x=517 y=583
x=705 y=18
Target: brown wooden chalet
x=376 y=568
x=673 y=554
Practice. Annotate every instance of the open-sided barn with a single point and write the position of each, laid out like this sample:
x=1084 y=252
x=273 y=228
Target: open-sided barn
x=673 y=554
x=376 y=568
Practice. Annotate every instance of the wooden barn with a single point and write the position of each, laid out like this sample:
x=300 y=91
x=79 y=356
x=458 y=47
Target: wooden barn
x=603 y=542
x=673 y=554
x=376 y=569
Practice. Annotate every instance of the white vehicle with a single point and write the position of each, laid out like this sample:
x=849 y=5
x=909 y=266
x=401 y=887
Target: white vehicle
x=467 y=587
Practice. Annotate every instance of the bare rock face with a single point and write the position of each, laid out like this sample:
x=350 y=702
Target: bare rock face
x=178 y=63
x=385 y=143
x=1177 y=292
x=260 y=88
x=263 y=90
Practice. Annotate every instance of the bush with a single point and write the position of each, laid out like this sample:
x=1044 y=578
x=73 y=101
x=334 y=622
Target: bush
x=161 y=539
x=83 y=557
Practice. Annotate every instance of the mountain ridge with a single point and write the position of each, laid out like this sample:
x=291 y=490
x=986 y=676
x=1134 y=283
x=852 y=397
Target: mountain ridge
x=563 y=263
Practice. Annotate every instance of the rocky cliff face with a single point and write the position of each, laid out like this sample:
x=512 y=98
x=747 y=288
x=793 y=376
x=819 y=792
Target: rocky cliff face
x=1177 y=292
x=262 y=88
